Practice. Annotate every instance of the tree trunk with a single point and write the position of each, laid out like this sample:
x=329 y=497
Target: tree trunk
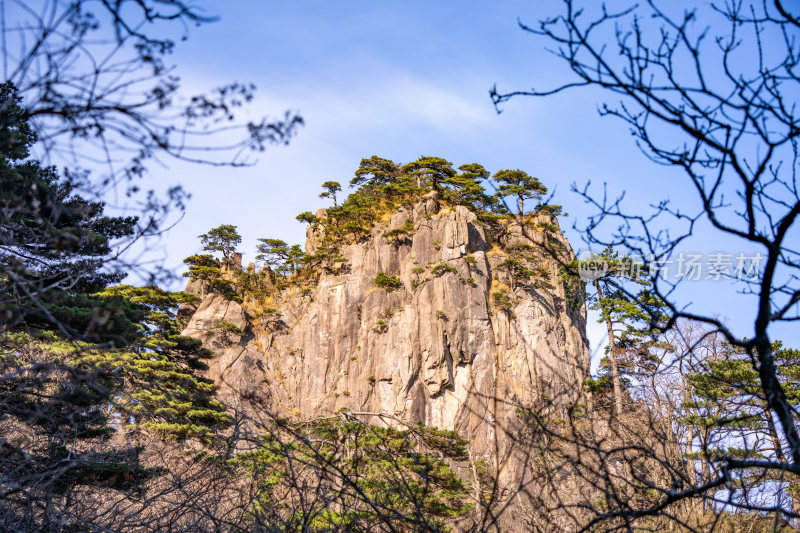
x=686 y=397
x=776 y=397
x=776 y=444
x=612 y=355
x=773 y=435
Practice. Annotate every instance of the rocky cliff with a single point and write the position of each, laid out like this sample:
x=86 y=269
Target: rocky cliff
x=474 y=327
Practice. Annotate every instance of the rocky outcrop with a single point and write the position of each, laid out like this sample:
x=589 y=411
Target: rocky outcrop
x=461 y=345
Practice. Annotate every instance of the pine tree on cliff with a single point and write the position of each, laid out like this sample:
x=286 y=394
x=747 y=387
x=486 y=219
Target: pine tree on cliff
x=330 y=190
x=519 y=184
x=222 y=239
x=208 y=269
x=308 y=217
x=278 y=255
x=430 y=172
x=466 y=188
x=272 y=252
x=374 y=172
x=295 y=258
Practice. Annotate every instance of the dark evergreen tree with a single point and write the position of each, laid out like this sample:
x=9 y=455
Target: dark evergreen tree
x=54 y=245
x=81 y=358
x=330 y=190
x=632 y=316
x=466 y=188
x=294 y=258
x=280 y=257
x=373 y=478
x=208 y=271
x=430 y=172
x=222 y=239
x=375 y=171
x=519 y=184
x=152 y=375
x=308 y=217
x=272 y=252
x=728 y=406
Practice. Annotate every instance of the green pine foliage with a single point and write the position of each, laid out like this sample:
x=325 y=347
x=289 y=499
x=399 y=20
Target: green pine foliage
x=636 y=323
x=52 y=237
x=400 y=235
x=520 y=267
x=329 y=190
x=466 y=189
x=279 y=256
x=81 y=358
x=372 y=475
x=727 y=399
x=519 y=185
x=375 y=172
x=208 y=271
x=308 y=217
x=430 y=172
x=634 y=319
x=389 y=283
x=383 y=186
x=146 y=380
x=443 y=268
x=227 y=331
x=154 y=374
x=502 y=299
x=223 y=239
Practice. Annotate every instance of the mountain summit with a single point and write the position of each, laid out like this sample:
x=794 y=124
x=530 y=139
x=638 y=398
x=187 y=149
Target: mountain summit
x=433 y=313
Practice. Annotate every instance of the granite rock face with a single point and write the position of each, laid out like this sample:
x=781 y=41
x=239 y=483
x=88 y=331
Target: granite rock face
x=461 y=345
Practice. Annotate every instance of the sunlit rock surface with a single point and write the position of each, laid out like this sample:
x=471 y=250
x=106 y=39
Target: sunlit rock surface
x=439 y=350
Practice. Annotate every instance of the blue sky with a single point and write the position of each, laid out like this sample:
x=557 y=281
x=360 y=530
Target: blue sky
x=400 y=80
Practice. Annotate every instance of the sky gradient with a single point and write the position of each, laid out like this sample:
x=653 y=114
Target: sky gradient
x=401 y=80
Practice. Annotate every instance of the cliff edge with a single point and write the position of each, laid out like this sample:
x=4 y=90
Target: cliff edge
x=423 y=319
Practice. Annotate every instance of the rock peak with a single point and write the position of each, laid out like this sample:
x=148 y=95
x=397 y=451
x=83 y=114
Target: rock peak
x=432 y=316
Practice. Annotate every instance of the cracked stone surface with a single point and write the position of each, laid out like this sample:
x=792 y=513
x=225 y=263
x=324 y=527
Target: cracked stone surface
x=448 y=356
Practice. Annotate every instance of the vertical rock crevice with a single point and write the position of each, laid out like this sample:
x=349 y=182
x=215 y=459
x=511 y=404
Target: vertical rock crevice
x=452 y=354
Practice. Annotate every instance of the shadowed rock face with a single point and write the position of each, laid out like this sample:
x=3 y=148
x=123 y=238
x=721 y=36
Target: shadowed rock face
x=438 y=350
